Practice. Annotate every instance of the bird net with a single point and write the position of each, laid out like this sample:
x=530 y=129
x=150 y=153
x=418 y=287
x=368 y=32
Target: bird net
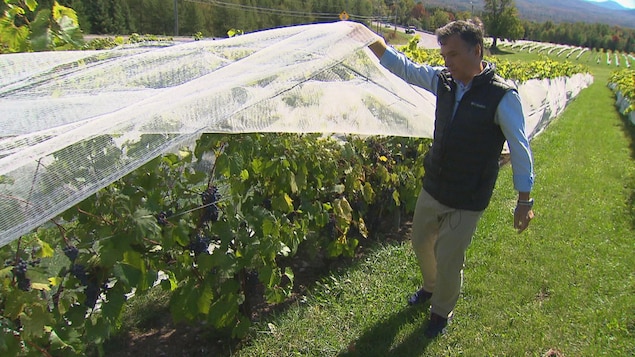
x=73 y=122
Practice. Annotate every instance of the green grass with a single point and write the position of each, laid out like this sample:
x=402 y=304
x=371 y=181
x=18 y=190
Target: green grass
x=395 y=38
x=567 y=284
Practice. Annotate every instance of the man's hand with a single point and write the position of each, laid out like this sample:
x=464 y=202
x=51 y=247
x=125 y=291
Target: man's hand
x=522 y=215
x=363 y=34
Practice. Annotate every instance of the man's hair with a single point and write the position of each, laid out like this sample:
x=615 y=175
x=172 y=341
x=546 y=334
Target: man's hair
x=470 y=31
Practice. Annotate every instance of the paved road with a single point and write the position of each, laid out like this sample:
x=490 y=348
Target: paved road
x=427 y=39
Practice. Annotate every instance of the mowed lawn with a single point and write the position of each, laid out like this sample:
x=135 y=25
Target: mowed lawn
x=565 y=287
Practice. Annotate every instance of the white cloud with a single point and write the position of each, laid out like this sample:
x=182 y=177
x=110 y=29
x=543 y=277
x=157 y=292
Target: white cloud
x=630 y=4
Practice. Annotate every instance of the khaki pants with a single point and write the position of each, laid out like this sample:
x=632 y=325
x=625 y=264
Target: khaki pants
x=440 y=237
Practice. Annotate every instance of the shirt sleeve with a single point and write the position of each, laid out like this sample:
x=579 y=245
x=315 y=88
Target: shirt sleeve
x=420 y=75
x=510 y=117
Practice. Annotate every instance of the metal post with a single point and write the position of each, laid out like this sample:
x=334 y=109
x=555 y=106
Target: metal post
x=176 y=18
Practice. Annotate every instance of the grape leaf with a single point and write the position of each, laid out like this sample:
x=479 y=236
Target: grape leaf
x=34 y=322
x=31 y=4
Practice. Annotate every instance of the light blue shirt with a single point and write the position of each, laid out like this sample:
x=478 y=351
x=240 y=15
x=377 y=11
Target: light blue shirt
x=509 y=114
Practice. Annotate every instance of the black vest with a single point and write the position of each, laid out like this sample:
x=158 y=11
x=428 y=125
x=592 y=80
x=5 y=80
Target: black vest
x=461 y=167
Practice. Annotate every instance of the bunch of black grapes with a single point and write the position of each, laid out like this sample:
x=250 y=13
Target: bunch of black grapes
x=92 y=286
x=331 y=228
x=19 y=272
x=210 y=198
x=199 y=244
x=162 y=218
x=71 y=252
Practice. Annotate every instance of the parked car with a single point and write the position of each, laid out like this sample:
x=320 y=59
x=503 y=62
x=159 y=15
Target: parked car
x=410 y=29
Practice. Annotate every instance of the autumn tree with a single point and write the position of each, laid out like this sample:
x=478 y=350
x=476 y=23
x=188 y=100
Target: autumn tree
x=501 y=20
x=418 y=11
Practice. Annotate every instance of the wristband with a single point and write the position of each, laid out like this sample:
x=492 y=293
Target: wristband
x=529 y=203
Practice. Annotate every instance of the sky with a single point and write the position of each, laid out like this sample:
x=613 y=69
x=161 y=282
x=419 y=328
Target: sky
x=626 y=3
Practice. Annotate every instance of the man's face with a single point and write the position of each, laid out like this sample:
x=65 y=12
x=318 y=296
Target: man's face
x=462 y=60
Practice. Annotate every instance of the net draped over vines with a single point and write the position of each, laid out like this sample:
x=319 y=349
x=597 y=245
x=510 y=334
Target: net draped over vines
x=73 y=122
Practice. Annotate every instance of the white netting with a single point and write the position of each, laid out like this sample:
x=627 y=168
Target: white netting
x=622 y=103
x=545 y=99
x=73 y=122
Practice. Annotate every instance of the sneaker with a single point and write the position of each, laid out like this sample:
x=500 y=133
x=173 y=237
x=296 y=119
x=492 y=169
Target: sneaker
x=436 y=326
x=419 y=297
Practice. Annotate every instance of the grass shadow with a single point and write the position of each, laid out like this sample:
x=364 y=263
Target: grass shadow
x=497 y=51
x=379 y=340
x=629 y=129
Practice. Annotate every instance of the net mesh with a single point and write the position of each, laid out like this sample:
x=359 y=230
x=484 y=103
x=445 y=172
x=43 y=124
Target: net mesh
x=73 y=122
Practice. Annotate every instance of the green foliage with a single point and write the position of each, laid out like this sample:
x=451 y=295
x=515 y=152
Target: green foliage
x=421 y=55
x=624 y=81
x=234 y=32
x=520 y=71
x=540 y=69
x=203 y=224
x=25 y=28
x=103 y=43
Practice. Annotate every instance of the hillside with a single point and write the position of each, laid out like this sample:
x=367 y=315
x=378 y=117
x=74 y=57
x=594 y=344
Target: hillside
x=556 y=11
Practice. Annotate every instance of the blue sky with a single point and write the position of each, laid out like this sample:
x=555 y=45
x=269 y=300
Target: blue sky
x=626 y=3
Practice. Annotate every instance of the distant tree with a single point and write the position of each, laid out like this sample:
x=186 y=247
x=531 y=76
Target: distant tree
x=501 y=20
x=439 y=18
x=463 y=15
x=418 y=11
x=99 y=16
x=121 y=17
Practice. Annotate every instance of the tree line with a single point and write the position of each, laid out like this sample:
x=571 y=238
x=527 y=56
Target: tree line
x=502 y=21
x=214 y=18
x=211 y=18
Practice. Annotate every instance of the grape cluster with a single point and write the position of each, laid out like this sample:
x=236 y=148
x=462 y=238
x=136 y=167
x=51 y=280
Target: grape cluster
x=78 y=271
x=210 y=197
x=162 y=218
x=357 y=202
x=71 y=252
x=266 y=203
x=19 y=271
x=92 y=292
x=378 y=149
x=331 y=227
x=200 y=244
x=93 y=287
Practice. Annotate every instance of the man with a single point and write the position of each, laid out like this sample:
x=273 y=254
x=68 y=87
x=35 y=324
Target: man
x=476 y=111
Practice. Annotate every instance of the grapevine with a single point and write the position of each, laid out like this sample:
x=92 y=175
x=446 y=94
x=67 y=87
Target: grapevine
x=623 y=81
x=518 y=71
